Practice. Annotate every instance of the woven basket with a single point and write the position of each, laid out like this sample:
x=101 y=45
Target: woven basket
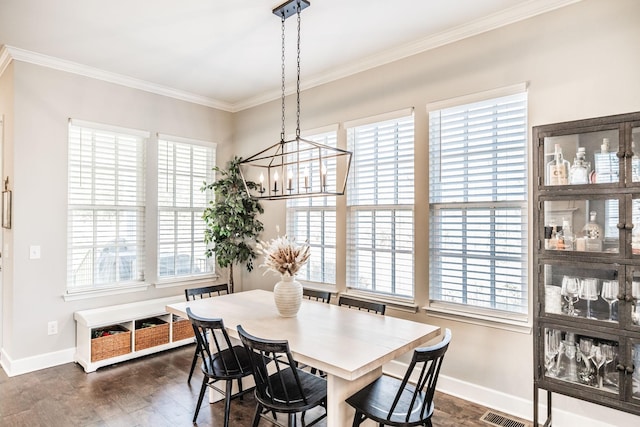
x=150 y=336
x=182 y=328
x=116 y=344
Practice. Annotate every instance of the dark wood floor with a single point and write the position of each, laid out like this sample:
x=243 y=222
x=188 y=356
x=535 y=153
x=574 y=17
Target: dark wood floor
x=150 y=391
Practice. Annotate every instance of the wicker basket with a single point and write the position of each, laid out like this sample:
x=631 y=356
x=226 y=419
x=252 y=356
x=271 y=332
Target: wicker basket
x=151 y=332
x=182 y=328
x=117 y=343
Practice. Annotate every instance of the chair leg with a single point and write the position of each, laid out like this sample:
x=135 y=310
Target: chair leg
x=202 y=390
x=193 y=364
x=256 y=417
x=292 y=420
x=227 y=403
x=358 y=419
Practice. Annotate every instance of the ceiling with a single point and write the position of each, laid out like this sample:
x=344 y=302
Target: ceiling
x=227 y=53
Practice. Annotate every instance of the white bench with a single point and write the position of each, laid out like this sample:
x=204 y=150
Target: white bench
x=124 y=315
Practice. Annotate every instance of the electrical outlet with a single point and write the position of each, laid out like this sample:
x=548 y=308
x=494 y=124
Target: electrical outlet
x=52 y=327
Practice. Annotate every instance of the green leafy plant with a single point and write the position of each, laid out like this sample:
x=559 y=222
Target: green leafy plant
x=231 y=220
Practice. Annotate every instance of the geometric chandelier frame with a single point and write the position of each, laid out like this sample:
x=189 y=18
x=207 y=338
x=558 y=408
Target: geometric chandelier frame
x=298 y=167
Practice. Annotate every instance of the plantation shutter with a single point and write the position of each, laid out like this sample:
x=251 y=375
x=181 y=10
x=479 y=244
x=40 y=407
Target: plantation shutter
x=380 y=224
x=478 y=203
x=183 y=167
x=106 y=206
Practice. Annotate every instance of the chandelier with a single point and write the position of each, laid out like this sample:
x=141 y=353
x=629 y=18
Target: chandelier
x=298 y=167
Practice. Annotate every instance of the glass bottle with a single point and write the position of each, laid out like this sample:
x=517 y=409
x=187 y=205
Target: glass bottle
x=606 y=164
x=579 y=173
x=593 y=234
x=558 y=169
x=565 y=239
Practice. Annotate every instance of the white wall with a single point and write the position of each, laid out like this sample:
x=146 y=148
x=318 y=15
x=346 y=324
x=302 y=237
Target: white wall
x=580 y=61
x=43 y=101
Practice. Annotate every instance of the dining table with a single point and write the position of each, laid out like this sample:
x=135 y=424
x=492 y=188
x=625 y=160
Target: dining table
x=349 y=345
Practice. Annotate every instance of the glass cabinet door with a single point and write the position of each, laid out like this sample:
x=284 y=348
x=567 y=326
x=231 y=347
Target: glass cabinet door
x=582 y=291
x=635 y=158
x=583 y=359
x=635 y=376
x=582 y=225
x=584 y=158
x=632 y=295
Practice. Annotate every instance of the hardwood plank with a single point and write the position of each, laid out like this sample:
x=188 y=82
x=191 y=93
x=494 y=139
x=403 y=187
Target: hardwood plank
x=148 y=392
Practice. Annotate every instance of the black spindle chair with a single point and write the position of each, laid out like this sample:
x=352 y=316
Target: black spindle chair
x=373 y=307
x=199 y=293
x=287 y=389
x=222 y=361
x=393 y=402
x=316 y=295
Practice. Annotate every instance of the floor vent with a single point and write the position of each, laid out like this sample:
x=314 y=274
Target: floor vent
x=501 y=420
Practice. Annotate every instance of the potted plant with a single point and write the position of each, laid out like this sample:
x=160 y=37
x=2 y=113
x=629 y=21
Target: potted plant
x=231 y=223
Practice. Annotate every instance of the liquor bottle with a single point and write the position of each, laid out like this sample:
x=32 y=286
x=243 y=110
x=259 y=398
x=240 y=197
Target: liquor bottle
x=593 y=234
x=579 y=173
x=565 y=237
x=606 y=164
x=558 y=169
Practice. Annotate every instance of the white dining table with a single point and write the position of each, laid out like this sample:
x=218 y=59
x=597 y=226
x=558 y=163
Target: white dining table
x=349 y=345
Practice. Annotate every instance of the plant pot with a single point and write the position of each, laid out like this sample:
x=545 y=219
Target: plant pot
x=287 y=294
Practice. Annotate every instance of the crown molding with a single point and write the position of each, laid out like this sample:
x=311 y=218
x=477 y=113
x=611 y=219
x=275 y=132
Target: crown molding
x=107 y=76
x=508 y=16
x=503 y=18
x=5 y=59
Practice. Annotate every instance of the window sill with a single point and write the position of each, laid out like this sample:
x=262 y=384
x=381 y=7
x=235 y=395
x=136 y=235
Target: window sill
x=186 y=280
x=97 y=293
x=508 y=322
x=392 y=303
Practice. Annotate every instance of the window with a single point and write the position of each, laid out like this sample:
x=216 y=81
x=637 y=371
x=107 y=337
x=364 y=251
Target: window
x=106 y=206
x=183 y=167
x=380 y=202
x=478 y=203
x=313 y=219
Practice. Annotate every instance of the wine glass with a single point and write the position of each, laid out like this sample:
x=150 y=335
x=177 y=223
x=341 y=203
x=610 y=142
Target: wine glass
x=584 y=347
x=597 y=357
x=610 y=294
x=589 y=292
x=552 y=348
x=570 y=290
x=610 y=353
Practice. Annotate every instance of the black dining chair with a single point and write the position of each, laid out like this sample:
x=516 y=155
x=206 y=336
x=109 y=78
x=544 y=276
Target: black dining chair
x=199 y=293
x=316 y=295
x=222 y=361
x=373 y=307
x=390 y=401
x=285 y=388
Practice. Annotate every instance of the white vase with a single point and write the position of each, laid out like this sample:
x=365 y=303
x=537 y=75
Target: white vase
x=288 y=296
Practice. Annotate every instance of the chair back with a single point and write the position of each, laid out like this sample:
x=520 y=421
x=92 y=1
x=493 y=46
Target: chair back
x=373 y=307
x=427 y=361
x=313 y=294
x=215 y=348
x=206 y=291
x=282 y=388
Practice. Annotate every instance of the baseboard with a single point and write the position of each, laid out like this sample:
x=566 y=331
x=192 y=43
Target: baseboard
x=567 y=411
x=34 y=363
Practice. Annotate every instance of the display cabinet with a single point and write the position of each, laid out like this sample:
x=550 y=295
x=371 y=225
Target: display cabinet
x=587 y=262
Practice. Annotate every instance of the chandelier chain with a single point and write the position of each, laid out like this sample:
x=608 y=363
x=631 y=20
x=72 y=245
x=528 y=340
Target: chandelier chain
x=298 y=79
x=282 y=132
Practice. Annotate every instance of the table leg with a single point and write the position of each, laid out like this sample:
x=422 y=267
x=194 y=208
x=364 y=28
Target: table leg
x=339 y=413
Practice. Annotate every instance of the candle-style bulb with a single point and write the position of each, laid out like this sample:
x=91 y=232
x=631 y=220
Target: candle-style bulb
x=275 y=182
